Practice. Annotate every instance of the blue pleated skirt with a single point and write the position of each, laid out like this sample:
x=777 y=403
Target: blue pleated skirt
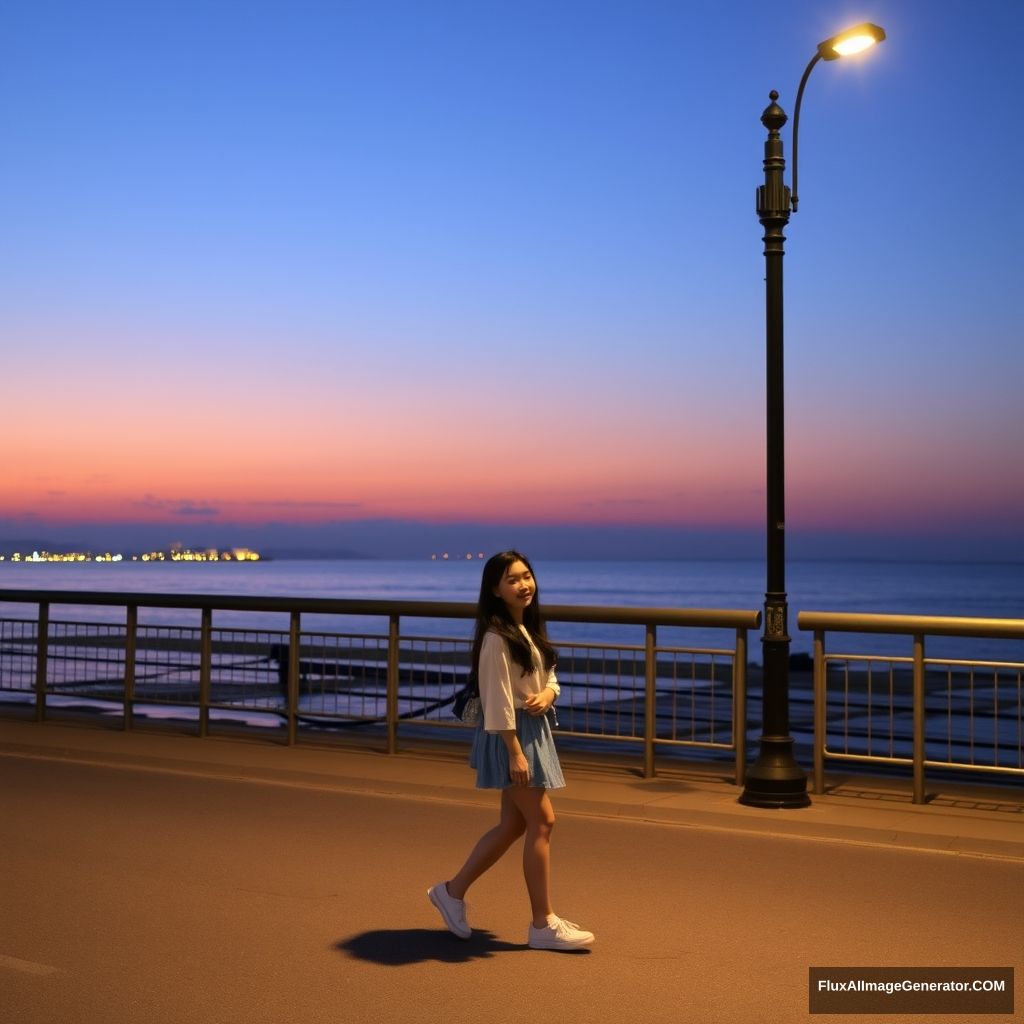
x=489 y=756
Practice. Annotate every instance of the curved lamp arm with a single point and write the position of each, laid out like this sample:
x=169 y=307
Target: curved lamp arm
x=796 y=122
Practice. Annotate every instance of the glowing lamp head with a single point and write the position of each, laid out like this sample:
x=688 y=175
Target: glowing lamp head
x=853 y=40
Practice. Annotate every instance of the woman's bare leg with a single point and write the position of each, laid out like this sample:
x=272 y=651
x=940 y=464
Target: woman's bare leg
x=535 y=808
x=490 y=847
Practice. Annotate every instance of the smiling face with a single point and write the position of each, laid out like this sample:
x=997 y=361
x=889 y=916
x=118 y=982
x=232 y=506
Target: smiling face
x=516 y=589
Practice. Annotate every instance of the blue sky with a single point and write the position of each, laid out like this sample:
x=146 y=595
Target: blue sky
x=319 y=263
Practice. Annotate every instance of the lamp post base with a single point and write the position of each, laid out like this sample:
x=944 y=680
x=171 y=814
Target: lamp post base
x=775 y=780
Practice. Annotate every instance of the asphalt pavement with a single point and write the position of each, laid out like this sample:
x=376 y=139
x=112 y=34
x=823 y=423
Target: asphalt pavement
x=153 y=878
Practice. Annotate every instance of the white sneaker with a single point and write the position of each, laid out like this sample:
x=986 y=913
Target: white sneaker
x=452 y=910
x=561 y=935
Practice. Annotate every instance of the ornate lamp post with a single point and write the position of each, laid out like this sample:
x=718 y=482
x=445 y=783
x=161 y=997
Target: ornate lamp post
x=775 y=779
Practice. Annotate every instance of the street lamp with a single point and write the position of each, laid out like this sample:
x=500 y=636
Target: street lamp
x=775 y=779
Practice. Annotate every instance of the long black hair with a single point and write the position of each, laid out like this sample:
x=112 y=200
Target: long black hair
x=493 y=616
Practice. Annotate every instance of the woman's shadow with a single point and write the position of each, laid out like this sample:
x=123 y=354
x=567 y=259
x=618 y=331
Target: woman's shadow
x=400 y=947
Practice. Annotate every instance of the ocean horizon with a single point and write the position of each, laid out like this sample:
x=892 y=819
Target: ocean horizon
x=971 y=589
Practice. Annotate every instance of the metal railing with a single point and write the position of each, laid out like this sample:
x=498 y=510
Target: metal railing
x=661 y=697
x=950 y=713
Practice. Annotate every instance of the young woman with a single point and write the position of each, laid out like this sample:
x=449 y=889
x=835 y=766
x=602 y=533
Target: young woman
x=513 y=749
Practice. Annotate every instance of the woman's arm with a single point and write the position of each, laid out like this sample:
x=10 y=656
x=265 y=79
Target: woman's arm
x=539 y=703
x=495 y=679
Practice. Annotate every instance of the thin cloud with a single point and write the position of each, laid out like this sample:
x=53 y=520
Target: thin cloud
x=191 y=508
x=346 y=506
x=178 y=506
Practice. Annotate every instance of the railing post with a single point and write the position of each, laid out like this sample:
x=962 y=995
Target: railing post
x=820 y=717
x=130 y=642
x=392 y=684
x=650 y=697
x=918 y=718
x=205 y=669
x=739 y=705
x=42 y=649
x=294 y=671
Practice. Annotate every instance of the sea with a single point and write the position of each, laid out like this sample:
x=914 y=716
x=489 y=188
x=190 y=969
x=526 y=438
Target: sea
x=993 y=590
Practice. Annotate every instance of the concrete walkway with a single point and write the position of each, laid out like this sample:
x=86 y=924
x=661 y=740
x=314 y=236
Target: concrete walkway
x=155 y=878
x=971 y=820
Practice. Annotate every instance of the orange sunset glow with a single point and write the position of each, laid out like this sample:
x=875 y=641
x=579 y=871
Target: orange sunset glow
x=411 y=282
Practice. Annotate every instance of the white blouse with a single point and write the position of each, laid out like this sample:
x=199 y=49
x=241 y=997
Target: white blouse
x=503 y=687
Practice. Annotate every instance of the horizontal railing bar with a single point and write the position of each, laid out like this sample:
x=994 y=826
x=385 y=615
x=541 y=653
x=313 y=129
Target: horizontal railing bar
x=639 y=738
x=915 y=625
x=995 y=769
x=314 y=643
x=960 y=765
x=702 y=744
x=408 y=640
x=724 y=618
x=572 y=645
x=871 y=659
x=714 y=651
x=838 y=755
x=1013 y=666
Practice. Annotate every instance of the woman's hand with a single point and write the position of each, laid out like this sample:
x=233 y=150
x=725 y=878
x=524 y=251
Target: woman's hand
x=538 y=703
x=518 y=769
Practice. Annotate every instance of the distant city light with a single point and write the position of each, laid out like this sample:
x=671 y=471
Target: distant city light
x=176 y=554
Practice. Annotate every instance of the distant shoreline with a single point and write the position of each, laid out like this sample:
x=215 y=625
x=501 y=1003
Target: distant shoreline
x=7 y=559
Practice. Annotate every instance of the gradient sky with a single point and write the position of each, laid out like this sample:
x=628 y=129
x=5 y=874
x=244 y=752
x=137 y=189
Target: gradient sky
x=486 y=262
